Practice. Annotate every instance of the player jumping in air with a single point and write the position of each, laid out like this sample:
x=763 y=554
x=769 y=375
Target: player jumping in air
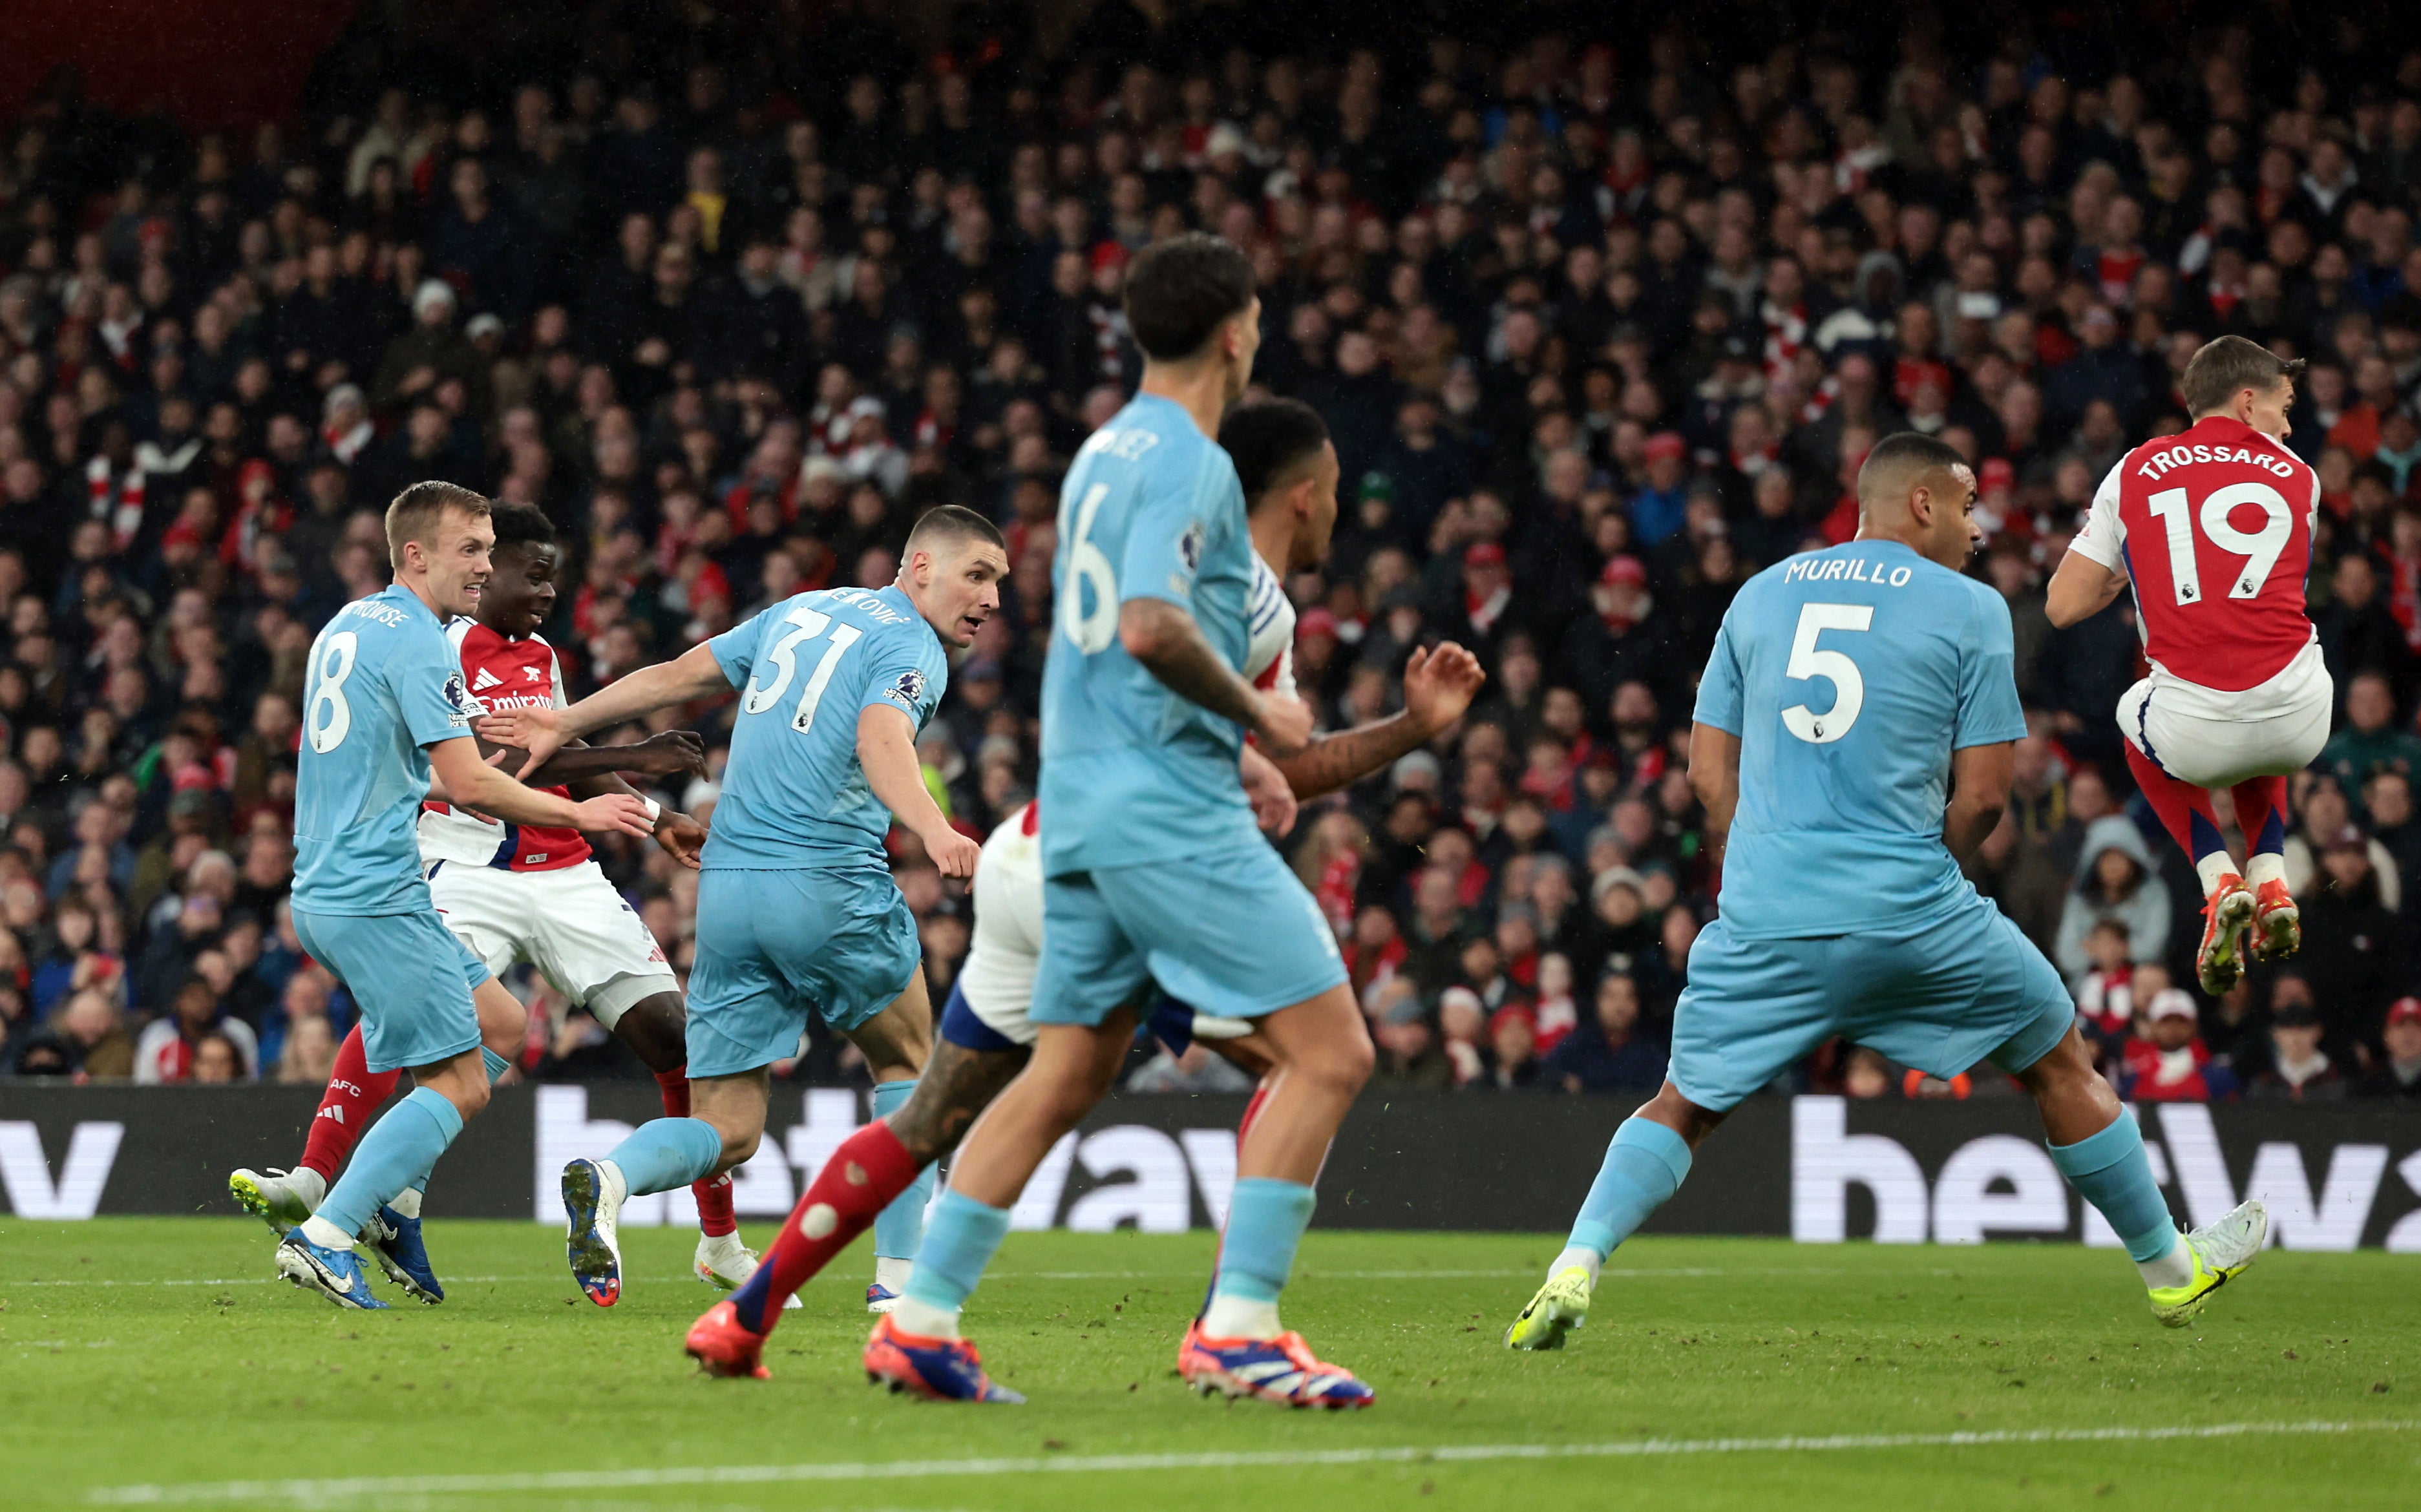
x=797 y=910
x=1153 y=866
x=512 y=892
x=387 y=704
x=2238 y=697
x=1845 y=687
x=1287 y=471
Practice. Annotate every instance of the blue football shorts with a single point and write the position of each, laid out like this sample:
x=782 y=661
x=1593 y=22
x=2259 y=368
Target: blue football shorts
x=411 y=976
x=1232 y=933
x=773 y=946
x=1942 y=997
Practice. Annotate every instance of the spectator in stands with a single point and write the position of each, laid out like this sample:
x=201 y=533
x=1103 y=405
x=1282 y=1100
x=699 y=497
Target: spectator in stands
x=2299 y=1069
x=309 y=1054
x=1611 y=1050
x=2398 y=1072
x=169 y=1046
x=2115 y=881
x=2370 y=743
x=2166 y=1060
x=2351 y=953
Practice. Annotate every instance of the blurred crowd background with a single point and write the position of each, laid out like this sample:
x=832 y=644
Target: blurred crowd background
x=1603 y=317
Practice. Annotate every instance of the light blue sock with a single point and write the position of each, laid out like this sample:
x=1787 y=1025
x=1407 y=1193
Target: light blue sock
x=2111 y=1172
x=1643 y=1167
x=395 y=1157
x=665 y=1153
x=900 y=1227
x=497 y=1064
x=959 y=1243
x=1265 y=1223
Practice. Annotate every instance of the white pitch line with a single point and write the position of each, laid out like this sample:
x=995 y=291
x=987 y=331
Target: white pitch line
x=358 y=1488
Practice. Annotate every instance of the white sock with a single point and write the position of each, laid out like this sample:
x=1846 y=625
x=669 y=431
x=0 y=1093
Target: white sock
x=618 y=1186
x=2265 y=867
x=407 y=1203
x=892 y=1274
x=2174 y=1269
x=1576 y=1256
x=325 y=1234
x=307 y=1184
x=1239 y=1317
x=2211 y=868
x=924 y=1321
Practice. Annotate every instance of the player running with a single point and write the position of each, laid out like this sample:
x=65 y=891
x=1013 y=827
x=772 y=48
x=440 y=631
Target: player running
x=513 y=893
x=1844 y=912
x=2238 y=696
x=1287 y=471
x=385 y=706
x=797 y=910
x=1153 y=868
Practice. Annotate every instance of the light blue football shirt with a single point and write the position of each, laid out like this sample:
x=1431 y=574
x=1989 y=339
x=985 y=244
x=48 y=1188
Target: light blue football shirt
x=1132 y=773
x=794 y=796
x=1849 y=676
x=382 y=683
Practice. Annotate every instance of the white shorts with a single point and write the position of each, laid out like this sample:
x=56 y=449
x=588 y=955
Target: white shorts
x=1004 y=949
x=570 y=923
x=2217 y=739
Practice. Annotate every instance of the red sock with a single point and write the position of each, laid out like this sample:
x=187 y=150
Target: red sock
x=713 y=1195
x=2261 y=811
x=354 y=1092
x=858 y=1181
x=2184 y=809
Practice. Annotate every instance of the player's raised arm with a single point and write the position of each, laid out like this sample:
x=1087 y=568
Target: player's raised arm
x=542 y=732
x=1438 y=685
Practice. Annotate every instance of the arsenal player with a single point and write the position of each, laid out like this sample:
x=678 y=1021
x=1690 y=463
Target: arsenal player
x=2213 y=528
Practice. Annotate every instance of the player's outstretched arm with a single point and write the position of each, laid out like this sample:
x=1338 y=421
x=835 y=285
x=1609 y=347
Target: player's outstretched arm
x=1714 y=776
x=668 y=754
x=1980 y=776
x=542 y=732
x=1439 y=686
x=475 y=784
x=886 y=749
x=1171 y=647
x=2080 y=589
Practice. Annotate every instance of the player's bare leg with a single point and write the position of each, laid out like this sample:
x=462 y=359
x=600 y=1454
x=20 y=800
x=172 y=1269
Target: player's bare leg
x=2098 y=1147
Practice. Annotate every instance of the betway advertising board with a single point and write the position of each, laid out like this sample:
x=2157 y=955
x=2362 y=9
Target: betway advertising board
x=1819 y=1170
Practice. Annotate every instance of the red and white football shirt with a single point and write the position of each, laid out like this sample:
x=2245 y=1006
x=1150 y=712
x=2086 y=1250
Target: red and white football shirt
x=1269 y=657
x=2214 y=527
x=502 y=673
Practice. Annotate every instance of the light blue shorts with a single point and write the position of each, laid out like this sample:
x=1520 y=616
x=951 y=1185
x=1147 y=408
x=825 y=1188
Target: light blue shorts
x=1232 y=934
x=773 y=946
x=1943 y=998
x=411 y=976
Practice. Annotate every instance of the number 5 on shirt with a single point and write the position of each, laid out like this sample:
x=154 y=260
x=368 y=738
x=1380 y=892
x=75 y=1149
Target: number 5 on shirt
x=1809 y=661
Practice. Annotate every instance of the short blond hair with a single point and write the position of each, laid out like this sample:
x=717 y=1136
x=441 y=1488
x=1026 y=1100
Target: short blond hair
x=417 y=510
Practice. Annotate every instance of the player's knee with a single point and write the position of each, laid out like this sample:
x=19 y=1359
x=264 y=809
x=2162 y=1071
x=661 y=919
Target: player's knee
x=469 y=1094
x=739 y=1147
x=1347 y=1062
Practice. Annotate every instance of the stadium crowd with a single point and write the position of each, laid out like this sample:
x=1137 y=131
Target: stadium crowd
x=1601 y=326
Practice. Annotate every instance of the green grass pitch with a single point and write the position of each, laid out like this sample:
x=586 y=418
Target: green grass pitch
x=152 y=1362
